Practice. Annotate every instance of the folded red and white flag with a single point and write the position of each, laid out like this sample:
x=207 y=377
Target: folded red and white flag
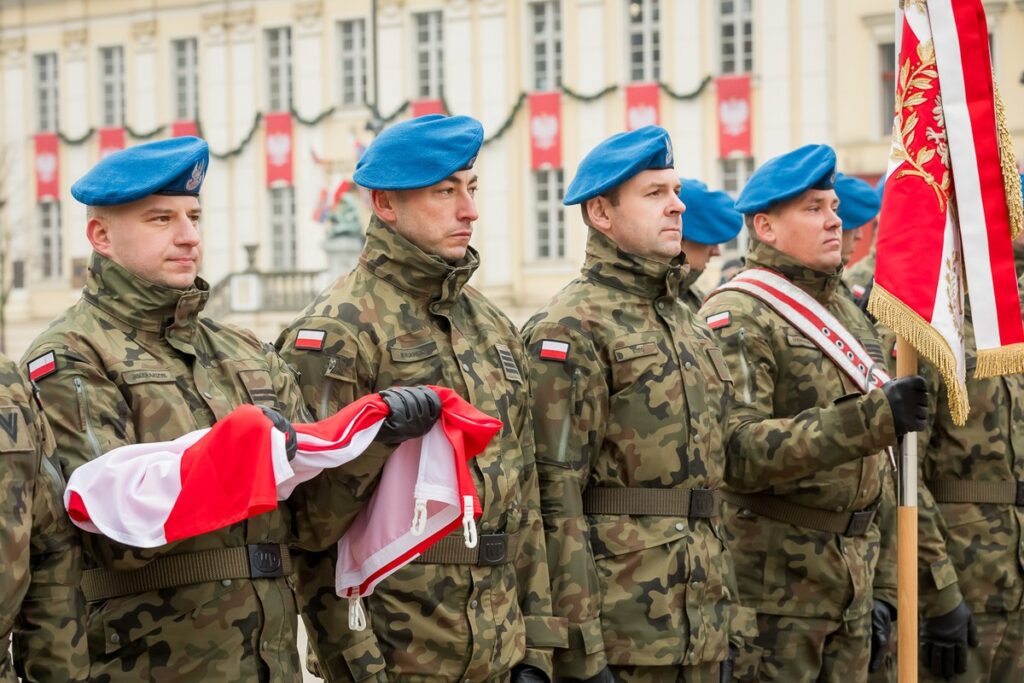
x=148 y=495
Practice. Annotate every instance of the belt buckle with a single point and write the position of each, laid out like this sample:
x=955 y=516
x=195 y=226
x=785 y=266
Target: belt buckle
x=702 y=503
x=493 y=550
x=1020 y=494
x=265 y=561
x=859 y=522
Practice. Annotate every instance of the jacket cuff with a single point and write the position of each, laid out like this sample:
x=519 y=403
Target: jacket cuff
x=584 y=657
x=939 y=590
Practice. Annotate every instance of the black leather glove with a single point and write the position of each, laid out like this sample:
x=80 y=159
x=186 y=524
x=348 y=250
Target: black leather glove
x=414 y=410
x=882 y=614
x=725 y=672
x=908 y=399
x=945 y=639
x=524 y=673
x=605 y=675
x=281 y=423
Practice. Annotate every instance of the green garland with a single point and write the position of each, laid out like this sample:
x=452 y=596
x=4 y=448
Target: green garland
x=382 y=121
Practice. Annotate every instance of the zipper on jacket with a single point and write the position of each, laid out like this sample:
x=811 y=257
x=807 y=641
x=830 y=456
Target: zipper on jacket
x=83 y=414
x=325 y=396
x=563 y=440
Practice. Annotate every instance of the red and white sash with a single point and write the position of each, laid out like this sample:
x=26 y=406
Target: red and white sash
x=815 y=322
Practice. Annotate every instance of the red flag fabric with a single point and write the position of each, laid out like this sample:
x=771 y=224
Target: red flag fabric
x=946 y=211
x=733 y=116
x=278 y=147
x=111 y=140
x=47 y=167
x=424 y=107
x=643 y=106
x=180 y=129
x=545 y=130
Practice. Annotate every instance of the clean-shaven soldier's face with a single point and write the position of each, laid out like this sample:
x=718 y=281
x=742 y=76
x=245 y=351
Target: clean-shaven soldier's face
x=437 y=219
x=644 y=218
x=807 y=228
x=156 y=237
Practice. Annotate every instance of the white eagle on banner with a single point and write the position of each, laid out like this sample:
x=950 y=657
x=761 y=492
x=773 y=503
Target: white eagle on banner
x=544 y=129
x=279 y=148
x=734 y=114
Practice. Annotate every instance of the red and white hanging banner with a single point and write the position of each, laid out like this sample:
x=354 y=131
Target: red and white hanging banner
x=424 y=107
x=180 y=129
x=733 y=116
x=642 y=105
x=278 y=144
x=111 y=140
x=47 y=167
x=545 y=130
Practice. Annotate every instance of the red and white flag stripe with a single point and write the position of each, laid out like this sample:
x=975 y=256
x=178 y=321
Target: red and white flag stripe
x=310 y=339
x=42 y=366
x=719 y=320
x=554 y=350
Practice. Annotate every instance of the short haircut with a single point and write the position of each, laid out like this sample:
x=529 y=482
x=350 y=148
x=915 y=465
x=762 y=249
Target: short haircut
x=611 y=195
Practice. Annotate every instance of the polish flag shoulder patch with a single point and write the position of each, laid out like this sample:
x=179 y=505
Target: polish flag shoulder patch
x=858 y=291
x=42 y=366
x=719 y=320
x=554 y=350
x=310 y=340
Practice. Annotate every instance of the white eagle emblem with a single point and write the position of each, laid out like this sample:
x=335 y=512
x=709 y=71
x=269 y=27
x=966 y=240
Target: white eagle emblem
x=734 y=114
x=642 y=115
x=198 y=172
x=545 y=130
x=279 y=148
x=46 y=167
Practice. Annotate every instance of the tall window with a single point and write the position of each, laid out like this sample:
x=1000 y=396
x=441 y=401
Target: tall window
x=112 y=85
x=735 y=173
x=887 y=83
x=51 y=241
x=279 y=69
x=352 y=55
x=644 y=40
x=549 y=187
x=736 y=37
x=546 y=35
x=186 y=79
x=282 y=227
x=429 y=55
x=47 y=92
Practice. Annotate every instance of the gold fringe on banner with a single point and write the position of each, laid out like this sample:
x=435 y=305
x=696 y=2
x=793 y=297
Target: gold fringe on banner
x=1011 y=176
x=899 y=317
x=1006 y=360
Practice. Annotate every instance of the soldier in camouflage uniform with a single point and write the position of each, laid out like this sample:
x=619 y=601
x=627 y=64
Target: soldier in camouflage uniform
x=807 y=471
x=711 y=219
x=858 y=276
x=971 y=509
x=630 y=396
x=132 y=362
x=40 y=557
x=405 y=315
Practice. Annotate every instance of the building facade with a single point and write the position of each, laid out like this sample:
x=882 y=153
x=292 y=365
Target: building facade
x=287 y=93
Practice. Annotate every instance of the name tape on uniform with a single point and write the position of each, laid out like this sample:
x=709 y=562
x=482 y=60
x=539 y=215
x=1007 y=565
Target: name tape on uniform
x=554 y=350
x=719 y=320
x=42 y=366
x=310 y=340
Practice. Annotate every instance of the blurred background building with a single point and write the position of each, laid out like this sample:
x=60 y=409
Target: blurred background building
x=288 y=93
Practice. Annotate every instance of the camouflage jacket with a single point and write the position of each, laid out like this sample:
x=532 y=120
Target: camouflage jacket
x=403 y=317
x=860 y=273
x=40 y=557
x=639 y=401
x=136 y=364
x=688 y=291
x=967 y=551
x=803 y=432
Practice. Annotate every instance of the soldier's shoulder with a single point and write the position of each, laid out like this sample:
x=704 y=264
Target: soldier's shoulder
x=487 y=309
x=235 y=337
x=13 y=385
x=739 y=306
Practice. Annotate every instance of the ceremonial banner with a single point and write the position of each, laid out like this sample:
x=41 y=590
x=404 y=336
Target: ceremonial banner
x=424 y=107
x=180 y=129
x=47 y=167
x=642 y=105
x=952 y=201
x=545 y=130
x=278 y=146
x=733 y=116
x=111 y=140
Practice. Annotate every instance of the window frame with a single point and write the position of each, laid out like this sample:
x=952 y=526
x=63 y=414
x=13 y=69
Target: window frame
x=359 y=58
x=545 y=45
x=283 y=228
x=185 y=78
x=47 y=88
x=112 y=86
x=429 y=79
x=741 y=20
x=50 y=238
x=549 y=229
x=280 y=84
x=650 y=49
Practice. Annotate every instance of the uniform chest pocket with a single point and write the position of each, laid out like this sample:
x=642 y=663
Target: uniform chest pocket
x=636 y=358
x=259 y=386
x=412 y=358
x=14 y=435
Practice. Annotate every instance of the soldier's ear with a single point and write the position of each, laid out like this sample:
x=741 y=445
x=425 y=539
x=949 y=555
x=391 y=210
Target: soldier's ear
x=597 y=210
x=97 y=231
x=383 y=203
x=764 y=228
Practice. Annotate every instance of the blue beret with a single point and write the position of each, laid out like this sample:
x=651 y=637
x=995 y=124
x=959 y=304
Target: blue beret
x=787 y=176
x=858 y=201
x=176 y=166
x=419 y=152
x=618 y=159
x=711 y=216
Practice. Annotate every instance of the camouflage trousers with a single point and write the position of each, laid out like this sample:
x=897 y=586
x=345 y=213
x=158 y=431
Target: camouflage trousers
x=703 y=673
x=803 y=650
x=999 y=656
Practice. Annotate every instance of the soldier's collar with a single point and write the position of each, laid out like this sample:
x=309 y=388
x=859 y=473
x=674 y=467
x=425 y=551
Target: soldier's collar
x=395 y=259
x=138 y=303
x=821 y=285
x=645 y=277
